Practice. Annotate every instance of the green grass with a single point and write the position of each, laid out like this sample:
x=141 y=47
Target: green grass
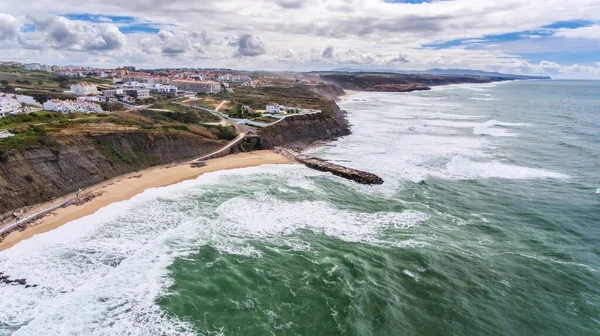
x=42 y=82
x=268 y=120
x=258 y=98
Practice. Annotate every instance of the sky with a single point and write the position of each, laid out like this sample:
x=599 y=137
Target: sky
x=539 y=37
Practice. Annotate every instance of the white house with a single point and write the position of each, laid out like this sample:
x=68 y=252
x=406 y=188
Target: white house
x=27 y=100
x=135 y=85
x=273 y=108
x=94 y=99
x=9 y=105
x=66 y=106
x=159 y=88
x=112 y=92
x=84 y=89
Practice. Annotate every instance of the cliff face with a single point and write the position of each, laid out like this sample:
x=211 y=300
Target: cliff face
x=34 y=175
x=298 y=132
x=330 y=91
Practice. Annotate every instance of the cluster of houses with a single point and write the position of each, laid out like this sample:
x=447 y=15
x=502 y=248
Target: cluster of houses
x=278 y=109
x=66 y=106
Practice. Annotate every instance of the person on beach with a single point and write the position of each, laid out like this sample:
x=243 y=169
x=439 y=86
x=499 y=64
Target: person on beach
x=78 y=193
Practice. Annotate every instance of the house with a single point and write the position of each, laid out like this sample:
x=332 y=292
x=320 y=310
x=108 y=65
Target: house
x=135 y=85
x=273 y=108
x=94 y=99
x=84 y=89
x=9 y=105
x=112 y=92
x=137 y=93
x=163 y=89
x=66 y=106
x=127 y=99
x=32 y=66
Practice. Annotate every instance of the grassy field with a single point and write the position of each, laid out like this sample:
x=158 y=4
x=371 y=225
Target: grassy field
x=206 y=102
x=42 y=81
x=267 y=120
x=44 y=129
x=258 y=98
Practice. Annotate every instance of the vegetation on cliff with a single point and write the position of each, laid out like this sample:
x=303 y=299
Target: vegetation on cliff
x=394 y=82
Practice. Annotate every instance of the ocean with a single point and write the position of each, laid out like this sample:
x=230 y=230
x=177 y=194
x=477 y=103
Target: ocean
x=488 y=223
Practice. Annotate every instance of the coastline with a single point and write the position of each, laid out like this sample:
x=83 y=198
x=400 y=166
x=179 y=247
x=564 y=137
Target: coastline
x=348 y=94
x=125 y=187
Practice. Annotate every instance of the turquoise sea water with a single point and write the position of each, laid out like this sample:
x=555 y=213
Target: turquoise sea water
x=488 y=224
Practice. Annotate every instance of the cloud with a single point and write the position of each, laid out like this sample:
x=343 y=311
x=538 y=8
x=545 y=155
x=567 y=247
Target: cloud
x=301 y=34
x=9 y=27
x=108 y=38
x=327 y=52
x=173 y=44
x=399 y=59
x=176 y=43
x=291 y=3
x=590 y=32
x=61 y=33
x=248 y=45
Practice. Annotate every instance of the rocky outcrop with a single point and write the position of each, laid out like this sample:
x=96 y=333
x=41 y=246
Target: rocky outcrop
x=300 y=131
x=38 y=174
x=399 y=87
x=358 y=176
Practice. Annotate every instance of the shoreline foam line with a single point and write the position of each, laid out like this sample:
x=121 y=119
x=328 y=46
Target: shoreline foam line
x=125 y=187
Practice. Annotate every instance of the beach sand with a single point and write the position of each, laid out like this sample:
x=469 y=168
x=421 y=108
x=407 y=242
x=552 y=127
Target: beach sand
x=348 y=94
x=125 y=187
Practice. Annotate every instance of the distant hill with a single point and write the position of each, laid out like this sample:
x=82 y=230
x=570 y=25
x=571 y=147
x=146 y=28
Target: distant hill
x=445 y=72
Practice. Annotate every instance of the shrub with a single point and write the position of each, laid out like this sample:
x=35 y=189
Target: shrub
x=201 y=131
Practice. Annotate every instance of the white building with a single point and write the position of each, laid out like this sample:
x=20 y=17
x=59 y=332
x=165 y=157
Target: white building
x=9 y=105
x=273 y=108
x=32 y=66
x=164 y=89
x=27 y=100
x=136 y=85
x=66 y=106
x=94 y=99
x=112 y=92
x=137 y=93
x=84 y=89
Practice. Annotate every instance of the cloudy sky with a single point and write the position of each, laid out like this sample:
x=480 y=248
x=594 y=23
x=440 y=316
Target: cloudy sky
x=555 y=37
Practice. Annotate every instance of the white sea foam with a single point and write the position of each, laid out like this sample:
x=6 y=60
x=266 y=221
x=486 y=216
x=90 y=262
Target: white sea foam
x=598 y=191
x=410 y=137
x=483 y=99
x=464 y=168
x=102 y=275
x=496 y=128
x=440 y=115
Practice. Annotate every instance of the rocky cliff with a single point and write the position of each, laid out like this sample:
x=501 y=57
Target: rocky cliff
x=300 y=131
x=326 y=90
x=37 y=174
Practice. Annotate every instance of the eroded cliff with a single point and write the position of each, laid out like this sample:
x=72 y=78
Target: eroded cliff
x=37 y=174
x=300 y=131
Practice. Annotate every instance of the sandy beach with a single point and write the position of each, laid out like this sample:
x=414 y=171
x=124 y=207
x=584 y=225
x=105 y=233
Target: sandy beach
x=348 y=94
x=125 y=187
